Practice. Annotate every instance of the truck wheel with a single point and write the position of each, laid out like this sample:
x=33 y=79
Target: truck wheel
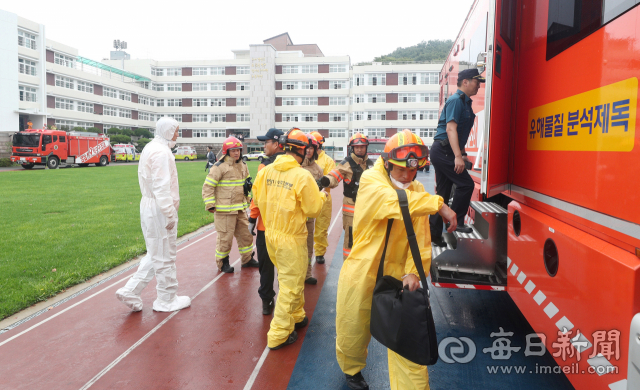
x=53 y=162
x=245 y=159
x=103 y=162
x=260 y=159
x=186 y=159
x=28 y=166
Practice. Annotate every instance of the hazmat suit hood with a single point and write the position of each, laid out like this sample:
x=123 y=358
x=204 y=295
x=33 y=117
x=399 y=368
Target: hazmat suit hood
x=165 y=129
x=285 y=162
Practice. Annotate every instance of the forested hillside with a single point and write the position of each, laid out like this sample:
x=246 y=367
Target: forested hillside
x=433 y=50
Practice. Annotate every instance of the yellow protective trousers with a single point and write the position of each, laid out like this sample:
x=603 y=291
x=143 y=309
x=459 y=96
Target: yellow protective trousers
x=229 y=225
x=322 y=228
x=289 y=254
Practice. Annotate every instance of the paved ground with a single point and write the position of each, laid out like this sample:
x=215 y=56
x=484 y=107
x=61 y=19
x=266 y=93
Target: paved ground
x=93 y=341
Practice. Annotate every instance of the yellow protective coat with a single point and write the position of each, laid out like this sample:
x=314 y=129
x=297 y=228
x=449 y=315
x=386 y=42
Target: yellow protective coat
x=324 y=219
x=377 y=203
x=287 y=195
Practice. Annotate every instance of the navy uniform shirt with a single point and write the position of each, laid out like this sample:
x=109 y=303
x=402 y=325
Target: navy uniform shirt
x=457 y=109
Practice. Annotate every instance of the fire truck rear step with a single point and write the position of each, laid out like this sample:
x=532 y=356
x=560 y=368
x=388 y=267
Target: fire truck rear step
x=476 y=258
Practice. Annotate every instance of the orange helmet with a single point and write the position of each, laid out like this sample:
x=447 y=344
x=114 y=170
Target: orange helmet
x=231 y=143
x=358 y=139
x=293 y=140
x=406 y=149
x=314 y=143
x=319 y=137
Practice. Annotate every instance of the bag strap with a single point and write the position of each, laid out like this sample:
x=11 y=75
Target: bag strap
x=384 y=252
x=411 y=235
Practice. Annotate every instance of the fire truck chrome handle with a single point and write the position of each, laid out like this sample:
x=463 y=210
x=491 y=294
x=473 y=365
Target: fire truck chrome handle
x=481 y=62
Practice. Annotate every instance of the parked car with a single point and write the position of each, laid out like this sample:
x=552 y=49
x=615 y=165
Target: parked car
x=254 y=156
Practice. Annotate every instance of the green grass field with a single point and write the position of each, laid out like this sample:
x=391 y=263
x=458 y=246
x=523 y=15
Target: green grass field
x=62 y=227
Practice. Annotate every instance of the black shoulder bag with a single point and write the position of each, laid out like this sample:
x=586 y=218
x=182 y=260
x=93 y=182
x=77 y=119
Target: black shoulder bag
x=402 y=320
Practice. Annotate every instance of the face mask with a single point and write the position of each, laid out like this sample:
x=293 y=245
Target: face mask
x=398 y=184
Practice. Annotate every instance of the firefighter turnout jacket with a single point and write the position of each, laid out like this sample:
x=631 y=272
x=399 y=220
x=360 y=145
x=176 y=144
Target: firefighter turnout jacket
x=223 y=187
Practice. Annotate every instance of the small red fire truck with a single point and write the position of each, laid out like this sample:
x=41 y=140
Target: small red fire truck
x=54 y=147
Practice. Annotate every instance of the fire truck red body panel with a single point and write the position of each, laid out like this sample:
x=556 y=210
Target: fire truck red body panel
x=66 y=147
x=568 y=184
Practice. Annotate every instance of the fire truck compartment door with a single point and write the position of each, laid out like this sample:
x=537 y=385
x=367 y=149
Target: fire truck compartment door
x=494 y=125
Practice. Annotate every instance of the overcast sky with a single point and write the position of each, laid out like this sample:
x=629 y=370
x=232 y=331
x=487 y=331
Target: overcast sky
x=209 y=30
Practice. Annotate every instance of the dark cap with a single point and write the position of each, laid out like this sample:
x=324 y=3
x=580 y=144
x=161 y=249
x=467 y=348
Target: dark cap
x=273 y=134
x=470 y=74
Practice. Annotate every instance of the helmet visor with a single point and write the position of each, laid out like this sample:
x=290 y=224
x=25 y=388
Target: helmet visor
x=405 y=152
x=360 y=141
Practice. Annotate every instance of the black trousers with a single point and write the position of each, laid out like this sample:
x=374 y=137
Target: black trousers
x=442 y=159
x=266 y=268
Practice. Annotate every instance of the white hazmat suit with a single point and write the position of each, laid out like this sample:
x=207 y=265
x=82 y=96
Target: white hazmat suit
x=159 y=205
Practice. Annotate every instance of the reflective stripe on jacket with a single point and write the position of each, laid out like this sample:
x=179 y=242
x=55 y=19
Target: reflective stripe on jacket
x=224 y=186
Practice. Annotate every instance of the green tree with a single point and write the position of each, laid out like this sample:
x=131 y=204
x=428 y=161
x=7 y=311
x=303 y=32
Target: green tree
x=113 y=130
x=142 y=142
x=94 y=130
x=433 y=50
x=140 y=132
x=120 y=139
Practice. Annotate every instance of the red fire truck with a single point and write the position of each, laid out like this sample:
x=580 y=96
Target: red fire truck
x=54 y=147
x=555 y=215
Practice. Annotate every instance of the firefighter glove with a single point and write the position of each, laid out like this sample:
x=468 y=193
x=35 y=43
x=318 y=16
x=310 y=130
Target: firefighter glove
x=247 y=186
x=325 y=181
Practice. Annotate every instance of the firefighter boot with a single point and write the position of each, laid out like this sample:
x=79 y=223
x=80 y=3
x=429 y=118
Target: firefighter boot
x=320 y=259
x=356 y=382
x=226 y=268
x=251 y=263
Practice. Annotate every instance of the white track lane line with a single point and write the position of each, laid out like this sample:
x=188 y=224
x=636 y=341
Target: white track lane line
x=84 y=300
x=197 y=241
x=256 y=370
x=146 y=336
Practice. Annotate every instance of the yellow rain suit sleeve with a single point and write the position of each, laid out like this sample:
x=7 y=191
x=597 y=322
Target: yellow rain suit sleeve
x=209 y=187
x=377 y=202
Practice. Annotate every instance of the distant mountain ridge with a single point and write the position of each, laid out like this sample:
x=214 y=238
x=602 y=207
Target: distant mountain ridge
x=433 y=50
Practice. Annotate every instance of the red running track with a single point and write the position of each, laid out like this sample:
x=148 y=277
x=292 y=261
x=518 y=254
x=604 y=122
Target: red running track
x=94 y=341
